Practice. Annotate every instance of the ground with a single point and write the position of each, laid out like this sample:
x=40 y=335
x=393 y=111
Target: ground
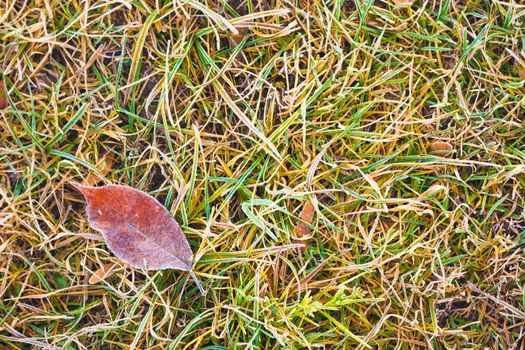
x=349 y=174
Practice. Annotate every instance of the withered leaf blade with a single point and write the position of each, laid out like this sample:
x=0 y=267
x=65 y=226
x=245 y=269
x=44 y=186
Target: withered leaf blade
x=137 y=228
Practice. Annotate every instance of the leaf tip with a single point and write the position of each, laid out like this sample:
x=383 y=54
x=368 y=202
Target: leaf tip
x=81 y=188
x=76 y=185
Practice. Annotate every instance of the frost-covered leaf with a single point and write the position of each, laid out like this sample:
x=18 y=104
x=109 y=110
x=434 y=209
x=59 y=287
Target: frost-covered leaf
x=137 y=228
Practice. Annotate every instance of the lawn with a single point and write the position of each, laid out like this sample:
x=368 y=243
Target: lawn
x=349 y=174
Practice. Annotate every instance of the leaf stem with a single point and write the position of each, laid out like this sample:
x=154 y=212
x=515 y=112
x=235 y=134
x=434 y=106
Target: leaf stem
x=199 y=285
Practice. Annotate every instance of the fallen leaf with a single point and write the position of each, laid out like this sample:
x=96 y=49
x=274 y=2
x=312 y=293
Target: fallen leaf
x=442 y=148
x=105 y=165
x=3 y=95
x=138 y=229
x=307 y=214
x=301 y=229
x=101 y=274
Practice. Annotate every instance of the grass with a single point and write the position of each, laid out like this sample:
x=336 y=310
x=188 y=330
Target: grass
x=337 y=103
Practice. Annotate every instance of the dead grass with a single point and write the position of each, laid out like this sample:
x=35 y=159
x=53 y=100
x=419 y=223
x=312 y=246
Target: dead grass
x=340 y=103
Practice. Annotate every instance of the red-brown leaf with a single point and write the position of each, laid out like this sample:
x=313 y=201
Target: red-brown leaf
x=137 y=228
x=307 y=214
x=3 y=95
x=302 y=228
